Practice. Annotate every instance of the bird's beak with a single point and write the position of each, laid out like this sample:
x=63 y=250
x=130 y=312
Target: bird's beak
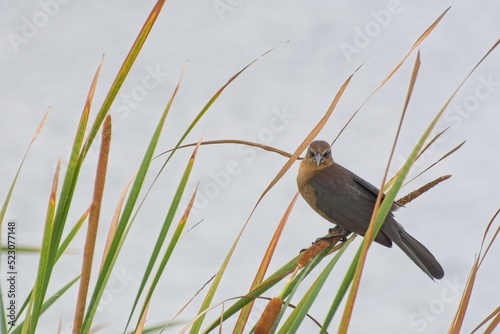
x=318 y=157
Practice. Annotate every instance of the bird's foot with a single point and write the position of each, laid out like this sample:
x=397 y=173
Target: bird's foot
x=334 y=232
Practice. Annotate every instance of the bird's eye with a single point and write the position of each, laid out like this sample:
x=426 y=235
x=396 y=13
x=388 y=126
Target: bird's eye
x=326 y=154
x=311 y=154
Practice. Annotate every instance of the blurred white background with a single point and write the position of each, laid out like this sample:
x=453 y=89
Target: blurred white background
x=50 y=50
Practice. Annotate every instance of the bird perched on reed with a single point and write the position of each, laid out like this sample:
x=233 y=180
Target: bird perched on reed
x=345 y=199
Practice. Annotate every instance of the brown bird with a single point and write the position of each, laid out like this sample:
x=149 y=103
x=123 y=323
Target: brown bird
x=345 y=199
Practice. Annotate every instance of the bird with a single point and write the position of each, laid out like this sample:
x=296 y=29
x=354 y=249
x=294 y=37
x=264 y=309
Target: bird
x=346 y=200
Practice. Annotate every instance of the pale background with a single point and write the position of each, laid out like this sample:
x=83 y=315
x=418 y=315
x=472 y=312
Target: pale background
x=55 y=67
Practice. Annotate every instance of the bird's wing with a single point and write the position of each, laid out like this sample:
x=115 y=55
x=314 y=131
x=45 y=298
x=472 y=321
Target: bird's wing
x=346 y=201
x=372 y=189
x=366 y=185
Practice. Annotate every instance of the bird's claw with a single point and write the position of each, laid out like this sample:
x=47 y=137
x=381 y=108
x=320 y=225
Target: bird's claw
x=334 y=232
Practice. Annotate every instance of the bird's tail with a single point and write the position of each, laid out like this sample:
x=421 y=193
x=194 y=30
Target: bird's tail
x=417 y=252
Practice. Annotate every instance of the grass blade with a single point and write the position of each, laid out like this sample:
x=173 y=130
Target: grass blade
x=234 y=141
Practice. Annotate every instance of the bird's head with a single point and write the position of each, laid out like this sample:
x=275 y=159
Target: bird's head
x=319 y=154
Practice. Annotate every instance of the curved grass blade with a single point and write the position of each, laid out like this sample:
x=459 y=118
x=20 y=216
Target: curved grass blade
x=233 y=141
x=171 y=321
x=197 y=325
